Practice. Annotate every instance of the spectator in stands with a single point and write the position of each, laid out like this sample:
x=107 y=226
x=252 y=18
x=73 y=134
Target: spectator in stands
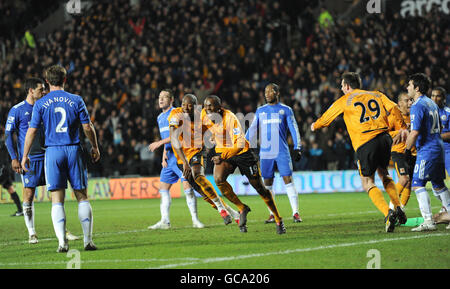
x=120 y=57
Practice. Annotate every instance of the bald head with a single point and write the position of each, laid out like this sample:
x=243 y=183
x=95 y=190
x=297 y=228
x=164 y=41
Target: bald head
x=188 y=104
x=212 y=104
x=190 y=98
x=214 y=99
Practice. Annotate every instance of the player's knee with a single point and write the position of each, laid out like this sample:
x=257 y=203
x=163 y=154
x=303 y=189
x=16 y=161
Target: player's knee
x=199 y=179
x=28 y=195
x=189 y=192
x=287 y=179
x=405 y=181
x=219 y=180
x=261 y=189
x=386 y=180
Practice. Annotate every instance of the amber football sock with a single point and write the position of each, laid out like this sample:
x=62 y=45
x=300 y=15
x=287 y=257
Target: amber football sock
x=391 y=190
x=404 y=197
x=226 y=190
x=268 y=199
x=399 y=188
x=378 y=200
x=209 y=191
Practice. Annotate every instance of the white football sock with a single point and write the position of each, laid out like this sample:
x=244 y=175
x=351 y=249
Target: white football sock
x=86 y=220
x=28 y=214
x=235 y=214
x=444 y=197
x=424 y=203
x=273 y=196
x=293 y=197
x=166 y=201
x=59 y=222
x=191 y=201
x=218 y=204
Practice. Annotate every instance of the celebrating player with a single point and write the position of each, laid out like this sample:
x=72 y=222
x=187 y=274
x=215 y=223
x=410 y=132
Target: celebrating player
x=170 y=173
x=430 y=162
x=60 y=114
x=367 y=124
x=272 y=121
x=404 y=166
x=186 y=137
x=233 y=150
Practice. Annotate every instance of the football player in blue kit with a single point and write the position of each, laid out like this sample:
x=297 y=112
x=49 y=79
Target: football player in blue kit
x=426 y=135
x=17 y=123
x=438 y=95
x=61 y=114
x=170 y=173
x=272 y=122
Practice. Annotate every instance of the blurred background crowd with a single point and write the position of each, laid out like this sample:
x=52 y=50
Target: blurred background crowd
x=119 y=54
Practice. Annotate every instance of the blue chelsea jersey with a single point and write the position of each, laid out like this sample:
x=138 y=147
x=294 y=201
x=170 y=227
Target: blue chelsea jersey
x=61 y=114
x=163 y=125
x=18 y=120
x=425 y=119
x=273 y=122
x=444 y=114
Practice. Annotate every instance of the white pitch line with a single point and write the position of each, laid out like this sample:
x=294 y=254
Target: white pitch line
x=196 y=261
x=186 y=227
x=93 y=261
x=290 y=251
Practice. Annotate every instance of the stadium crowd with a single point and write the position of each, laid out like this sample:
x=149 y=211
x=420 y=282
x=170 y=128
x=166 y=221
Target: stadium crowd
x=119 y=54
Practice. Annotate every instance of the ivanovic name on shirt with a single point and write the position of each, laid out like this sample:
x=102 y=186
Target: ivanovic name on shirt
x=59 y=99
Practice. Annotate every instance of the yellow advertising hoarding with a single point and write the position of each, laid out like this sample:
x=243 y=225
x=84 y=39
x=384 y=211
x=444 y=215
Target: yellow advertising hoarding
x=105 y=189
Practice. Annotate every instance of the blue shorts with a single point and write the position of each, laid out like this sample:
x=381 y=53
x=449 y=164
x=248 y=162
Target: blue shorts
x=284 y=165
x=35 y=176
x=429 y=168
x=171 y=174
x=65 y=163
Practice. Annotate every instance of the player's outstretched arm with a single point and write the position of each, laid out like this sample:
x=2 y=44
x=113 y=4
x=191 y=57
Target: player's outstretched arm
x=29 y=138
x=328 y=116
x=89 y=131
x=155 y=145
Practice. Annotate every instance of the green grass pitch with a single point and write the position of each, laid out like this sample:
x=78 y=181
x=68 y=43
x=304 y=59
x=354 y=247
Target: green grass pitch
x=341 y=230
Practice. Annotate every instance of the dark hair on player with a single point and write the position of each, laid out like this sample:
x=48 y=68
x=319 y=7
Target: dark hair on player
x=422 y=81
x=55 y=75
x=275 y=88
x=441 y=90
x=169 y=91
x=32 y=83
x=353 y=79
